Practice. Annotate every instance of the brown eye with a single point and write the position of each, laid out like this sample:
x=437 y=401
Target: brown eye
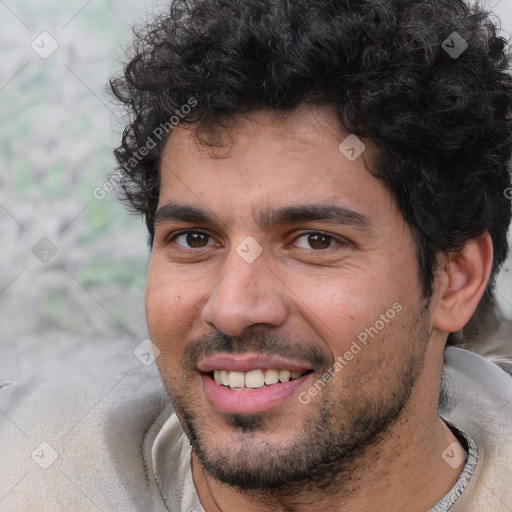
x=319 y=241
x=316 y=241
x=193 y=240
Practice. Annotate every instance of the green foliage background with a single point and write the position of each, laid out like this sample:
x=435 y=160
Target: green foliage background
x=57 y=132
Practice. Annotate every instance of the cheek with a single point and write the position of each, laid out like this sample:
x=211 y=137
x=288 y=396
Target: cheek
x=169 y=308
x=359 y=305
x=339 y=298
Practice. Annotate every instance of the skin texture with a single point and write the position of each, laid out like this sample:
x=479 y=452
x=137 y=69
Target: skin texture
x=371 y=438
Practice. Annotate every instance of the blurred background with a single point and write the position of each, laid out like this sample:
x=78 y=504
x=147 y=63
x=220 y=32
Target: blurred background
x=73 y=262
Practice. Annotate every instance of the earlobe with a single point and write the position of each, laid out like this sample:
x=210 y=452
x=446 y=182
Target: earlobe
x=461 y=284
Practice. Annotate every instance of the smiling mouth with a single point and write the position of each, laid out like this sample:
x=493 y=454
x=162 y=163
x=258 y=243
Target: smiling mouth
x=254 y=379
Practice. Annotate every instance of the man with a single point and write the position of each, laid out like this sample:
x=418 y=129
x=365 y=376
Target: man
x=332 y=207
x=325 y=186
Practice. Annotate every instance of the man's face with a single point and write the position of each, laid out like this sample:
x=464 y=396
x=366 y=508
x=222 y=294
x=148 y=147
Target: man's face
x=282 y=255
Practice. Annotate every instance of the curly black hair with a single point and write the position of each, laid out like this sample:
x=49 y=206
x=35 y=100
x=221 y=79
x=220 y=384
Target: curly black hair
x=397 y=71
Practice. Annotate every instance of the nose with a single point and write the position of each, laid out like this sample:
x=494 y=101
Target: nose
x=246 y=295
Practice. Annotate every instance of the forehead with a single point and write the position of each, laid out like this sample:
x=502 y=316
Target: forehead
x=268 y=159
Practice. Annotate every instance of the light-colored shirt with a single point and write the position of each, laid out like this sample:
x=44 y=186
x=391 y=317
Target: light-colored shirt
x=99 y=434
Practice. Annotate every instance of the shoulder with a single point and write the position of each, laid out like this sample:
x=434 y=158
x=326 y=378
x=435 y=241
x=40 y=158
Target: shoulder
x=478 y=393
x=463 y=365
x=479 y=402
x=73 y=429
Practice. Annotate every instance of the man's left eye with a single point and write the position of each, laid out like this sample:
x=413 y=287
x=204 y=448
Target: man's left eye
x=316 y=241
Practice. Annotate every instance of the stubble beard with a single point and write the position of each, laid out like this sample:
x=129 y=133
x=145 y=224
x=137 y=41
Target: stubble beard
x=327 y=452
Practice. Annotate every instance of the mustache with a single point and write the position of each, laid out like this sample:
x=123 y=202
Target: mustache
x=263 y=343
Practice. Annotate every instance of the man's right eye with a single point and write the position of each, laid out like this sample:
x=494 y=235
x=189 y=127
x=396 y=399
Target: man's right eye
x=193 y=240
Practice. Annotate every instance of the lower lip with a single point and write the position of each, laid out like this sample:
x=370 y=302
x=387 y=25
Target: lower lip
x=232 y=401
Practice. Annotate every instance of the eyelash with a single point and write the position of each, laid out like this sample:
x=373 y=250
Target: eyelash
x=179 y=248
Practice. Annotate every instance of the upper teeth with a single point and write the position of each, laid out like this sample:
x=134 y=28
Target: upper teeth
x=254 y=378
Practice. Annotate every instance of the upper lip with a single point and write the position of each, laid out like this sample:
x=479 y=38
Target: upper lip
x=248 y=362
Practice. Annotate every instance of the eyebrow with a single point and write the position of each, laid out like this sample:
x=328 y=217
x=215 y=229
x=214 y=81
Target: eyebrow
x=329 y=213
x=185 y=213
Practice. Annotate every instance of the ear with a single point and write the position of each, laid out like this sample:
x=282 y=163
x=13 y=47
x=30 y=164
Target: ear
x=461 y=282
